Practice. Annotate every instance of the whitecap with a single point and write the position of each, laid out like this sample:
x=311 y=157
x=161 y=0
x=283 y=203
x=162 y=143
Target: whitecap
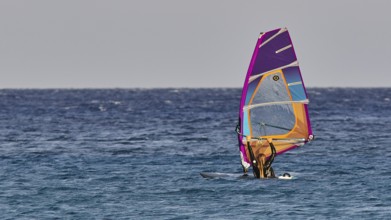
x=102 y=108
x=115 y=102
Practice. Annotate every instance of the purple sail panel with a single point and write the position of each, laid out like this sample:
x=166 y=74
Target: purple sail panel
x=274 y=53
x=266 y=36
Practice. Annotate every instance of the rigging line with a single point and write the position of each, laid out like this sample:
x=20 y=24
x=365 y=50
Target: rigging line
x=274 y=126
x=263 y=127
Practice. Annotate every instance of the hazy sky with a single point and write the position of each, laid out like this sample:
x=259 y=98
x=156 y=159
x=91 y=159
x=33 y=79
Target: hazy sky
x=179 y=43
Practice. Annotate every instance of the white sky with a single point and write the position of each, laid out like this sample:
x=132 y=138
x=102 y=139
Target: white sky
x=179 y=43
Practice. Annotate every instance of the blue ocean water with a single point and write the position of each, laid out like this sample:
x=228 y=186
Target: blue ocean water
x=137 y=154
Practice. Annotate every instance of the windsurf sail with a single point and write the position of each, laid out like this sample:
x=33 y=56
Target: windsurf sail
x=273 y=107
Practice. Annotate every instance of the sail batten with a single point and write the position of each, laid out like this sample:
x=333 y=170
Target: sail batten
x=284 y=48
x=248 y=107
x=295 y=63
x=295 y=83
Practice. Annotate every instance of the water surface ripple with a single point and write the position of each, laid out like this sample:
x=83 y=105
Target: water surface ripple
x=137 y=154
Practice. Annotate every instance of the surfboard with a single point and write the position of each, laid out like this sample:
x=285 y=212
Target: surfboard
x=211 y=175
x=218 y=175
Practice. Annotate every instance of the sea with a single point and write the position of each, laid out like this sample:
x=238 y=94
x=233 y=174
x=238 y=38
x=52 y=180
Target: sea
x=138 y=154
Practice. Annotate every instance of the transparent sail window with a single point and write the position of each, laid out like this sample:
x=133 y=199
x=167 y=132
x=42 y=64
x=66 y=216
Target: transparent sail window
x=272 y=89
x=272 y=120
x=275 y=119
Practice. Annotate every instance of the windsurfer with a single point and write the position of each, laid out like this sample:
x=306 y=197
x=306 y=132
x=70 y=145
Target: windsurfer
x=261 y=164
x=273 y=114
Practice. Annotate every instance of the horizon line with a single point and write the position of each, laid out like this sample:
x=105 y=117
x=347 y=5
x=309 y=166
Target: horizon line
x=206 y=87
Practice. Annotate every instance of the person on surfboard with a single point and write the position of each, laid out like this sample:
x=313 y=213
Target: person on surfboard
x=261 y=164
